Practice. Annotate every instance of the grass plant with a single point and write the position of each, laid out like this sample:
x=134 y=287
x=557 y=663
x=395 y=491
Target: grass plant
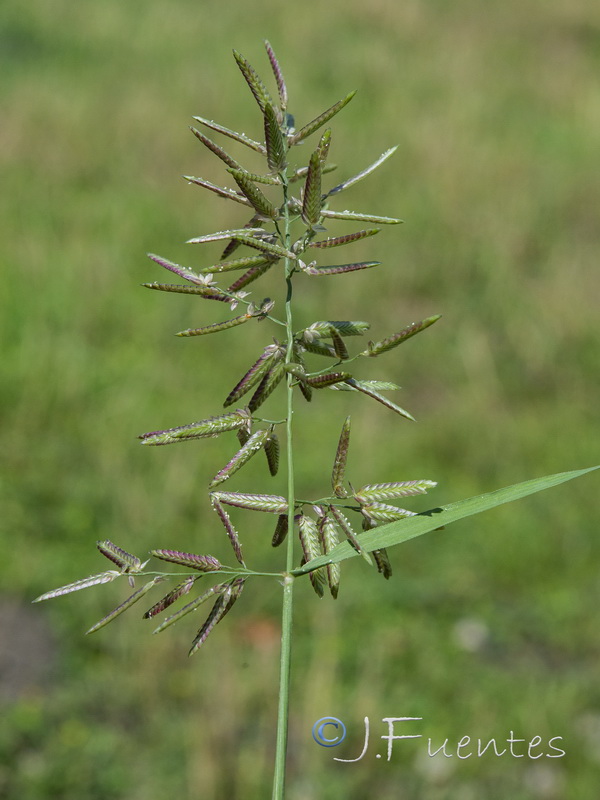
x=287 y=234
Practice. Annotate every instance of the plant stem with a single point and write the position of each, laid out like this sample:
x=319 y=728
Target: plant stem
x=288 y=581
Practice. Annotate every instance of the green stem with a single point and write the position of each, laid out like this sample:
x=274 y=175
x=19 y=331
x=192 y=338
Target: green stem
x=288 y=581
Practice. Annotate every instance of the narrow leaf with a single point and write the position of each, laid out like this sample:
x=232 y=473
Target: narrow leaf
x=339 y=464
x=319 y=121
x=405 y=529
x=125 y=604
x=376 y=348
x=238 y=137
x=367 y=171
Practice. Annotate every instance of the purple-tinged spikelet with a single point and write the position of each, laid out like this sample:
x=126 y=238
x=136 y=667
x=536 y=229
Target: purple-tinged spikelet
x=178 y=591
x=272 y=452
x=243 y=455
x=319 y=121
x=201 y=563
x=238 y=137
x=281 y=530
x=376 y=348
x=280 y=80
x=205 y=428
x=255 y=84
x=124 y=560
x=339 y=241
x=309 y=269
x=328 y=379
x=221 y=607
x=339 y=464
x=253 y=376
x=192 y=606
x=84 y=583
x=228 y=525
x=216 y=149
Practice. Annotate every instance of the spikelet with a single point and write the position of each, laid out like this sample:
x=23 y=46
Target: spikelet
x=281 y=530
x=311 y=547
x=376 y=348
x=272 y=503
x=178 y=591
x=203 y=429
x=319 y=121
x=339 y=464
x=124 y=560
x=201 y=563
x=228 y=525
x=133 y=598
x=84 y=583
x=243 y=455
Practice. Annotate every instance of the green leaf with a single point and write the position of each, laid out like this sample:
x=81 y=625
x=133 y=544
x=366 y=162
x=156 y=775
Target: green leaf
x=403 y=530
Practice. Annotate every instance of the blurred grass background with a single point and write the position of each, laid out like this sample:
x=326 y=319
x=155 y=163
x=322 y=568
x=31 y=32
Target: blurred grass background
x=487 y=628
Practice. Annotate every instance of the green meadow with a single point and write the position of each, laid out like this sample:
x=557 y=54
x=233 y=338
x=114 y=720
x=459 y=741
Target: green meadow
x=486 y=628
